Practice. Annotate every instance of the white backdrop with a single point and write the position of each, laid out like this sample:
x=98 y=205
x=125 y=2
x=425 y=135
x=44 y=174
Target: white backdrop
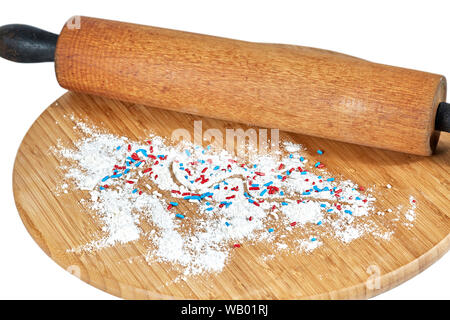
x=404 y=33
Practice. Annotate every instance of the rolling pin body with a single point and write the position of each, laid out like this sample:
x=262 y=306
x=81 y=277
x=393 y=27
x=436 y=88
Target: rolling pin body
x=298 y=89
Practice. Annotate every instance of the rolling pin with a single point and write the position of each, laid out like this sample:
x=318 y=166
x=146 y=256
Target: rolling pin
x=292 y=88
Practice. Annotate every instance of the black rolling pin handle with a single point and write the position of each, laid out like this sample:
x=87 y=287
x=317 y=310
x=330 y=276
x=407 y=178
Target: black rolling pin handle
x=27 y=44
x=443 y=117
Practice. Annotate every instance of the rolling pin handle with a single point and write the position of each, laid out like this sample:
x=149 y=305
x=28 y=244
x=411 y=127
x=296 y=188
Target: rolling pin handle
x=443 y=117
x=27 y=44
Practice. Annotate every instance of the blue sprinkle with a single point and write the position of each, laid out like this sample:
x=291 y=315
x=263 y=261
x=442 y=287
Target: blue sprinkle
x=303 y=172
x=288 y=172
x=268 y=183
x=281 y=193
x=280 y=177
x=348 y=211
x=185 y=177
x=174 y=203
x=207 y=203
x=319 y=177
x=216 y=168
x=102 y=188
x=126 y=171
x=209 y=209
x=255 y=185
x=227 y=224
x=323 y=205
x=225 y=183
x=254 y=166
x=179 y=216
x=135 y=190
x=270 y=230
x=118 y=148
x=188 y=153
x=302 y=159
x=284 y=203
x=330 y=179
x=127 y=163
x=319 y=151
x=313 y=239
x=326 y=189
x=317 y=164
x=161 y=156
x=247 y=195
x=216 y=187
x=181 y=164
x=357 y=198
x=319 y=223
x=116 y=175
x=263 y=192
x=227 y=204
x=207 y=194
x=306 y=193
x=105 y=178
x=138 y=164
x=291 y=156
x=143 y=151
x=329 y=210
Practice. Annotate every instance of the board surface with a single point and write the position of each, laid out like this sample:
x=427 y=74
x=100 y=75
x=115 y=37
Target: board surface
x=57 y=223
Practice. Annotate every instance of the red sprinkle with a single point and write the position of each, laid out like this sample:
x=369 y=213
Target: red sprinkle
x=250 y=218
x=260 y=173
x=130 y=182
x=129 y=147
x=293 y=223
x=237 y=245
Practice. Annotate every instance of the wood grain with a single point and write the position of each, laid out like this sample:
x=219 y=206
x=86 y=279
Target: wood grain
x=298 y=89
x=335 y=270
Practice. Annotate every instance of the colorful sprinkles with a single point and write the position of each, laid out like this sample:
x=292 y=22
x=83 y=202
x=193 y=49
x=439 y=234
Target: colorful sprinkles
x=228 y=201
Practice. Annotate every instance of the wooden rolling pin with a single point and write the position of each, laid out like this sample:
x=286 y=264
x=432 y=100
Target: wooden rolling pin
x=298 y=89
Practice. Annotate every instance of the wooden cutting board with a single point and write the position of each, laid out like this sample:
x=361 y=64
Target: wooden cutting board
x=335 y=270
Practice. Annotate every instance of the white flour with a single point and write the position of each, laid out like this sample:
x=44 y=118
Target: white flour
x=293 y=205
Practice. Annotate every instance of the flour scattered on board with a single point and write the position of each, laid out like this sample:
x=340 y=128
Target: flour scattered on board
x=194 y=206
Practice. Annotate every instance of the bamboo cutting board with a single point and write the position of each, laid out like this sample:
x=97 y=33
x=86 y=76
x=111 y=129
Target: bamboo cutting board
x=57 y=223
